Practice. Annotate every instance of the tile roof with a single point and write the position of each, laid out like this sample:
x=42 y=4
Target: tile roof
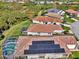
x=72 y=11
x=47 y=19
x=67 y=39
x=53 y=15
x=44 y=28
x=64 y=40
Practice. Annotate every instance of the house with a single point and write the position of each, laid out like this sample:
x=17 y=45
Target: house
x=72 y=12
x=75 y=29
x=42 y=1
x=46 y=20
x=44 y=29
x=38 y=47
x=54 y=10
x=28 y=46
x=54 y=15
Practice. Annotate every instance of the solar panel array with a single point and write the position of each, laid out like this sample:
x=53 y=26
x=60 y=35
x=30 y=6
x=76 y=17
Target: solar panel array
x=44 y=46
x=38 y=47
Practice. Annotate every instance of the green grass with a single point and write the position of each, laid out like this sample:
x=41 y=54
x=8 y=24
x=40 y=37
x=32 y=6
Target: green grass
x=69 y=20
x=75 y=54
x=1 y=53
x=16 y=30
x=66 y=28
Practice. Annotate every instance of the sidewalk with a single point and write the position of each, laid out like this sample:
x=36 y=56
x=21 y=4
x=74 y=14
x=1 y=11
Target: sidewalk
x=66 y=25
x=74 y=19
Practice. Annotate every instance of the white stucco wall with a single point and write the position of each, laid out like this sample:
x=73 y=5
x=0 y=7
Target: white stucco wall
x=52 y=55
x=38 y=22
x=58 y=31
x=40 y=33
x=71 y=46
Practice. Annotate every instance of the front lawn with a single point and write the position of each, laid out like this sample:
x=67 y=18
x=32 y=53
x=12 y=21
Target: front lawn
x=75 y=54
x=68 y=20
x=66 y=28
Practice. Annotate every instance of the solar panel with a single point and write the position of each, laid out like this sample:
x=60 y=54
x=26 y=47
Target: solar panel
x=61 y=50
x=42 y=42
x=44 y=46
x=38 y=47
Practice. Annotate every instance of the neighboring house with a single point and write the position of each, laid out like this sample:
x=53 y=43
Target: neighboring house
x=53 y=10
x=43 y=30
x=72 y=13
x=46 y=20
x=75 y=29
x=42 y=1
x=54 y=15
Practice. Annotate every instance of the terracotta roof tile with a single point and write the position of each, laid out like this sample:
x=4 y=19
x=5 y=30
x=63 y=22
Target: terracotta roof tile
x=43 y=28
x=64 y=40
x=72 y=11
x=67 y=39
x=47 y=19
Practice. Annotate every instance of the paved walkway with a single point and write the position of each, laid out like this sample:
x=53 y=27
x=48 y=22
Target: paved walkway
x=66 y=25
x=74 y=19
